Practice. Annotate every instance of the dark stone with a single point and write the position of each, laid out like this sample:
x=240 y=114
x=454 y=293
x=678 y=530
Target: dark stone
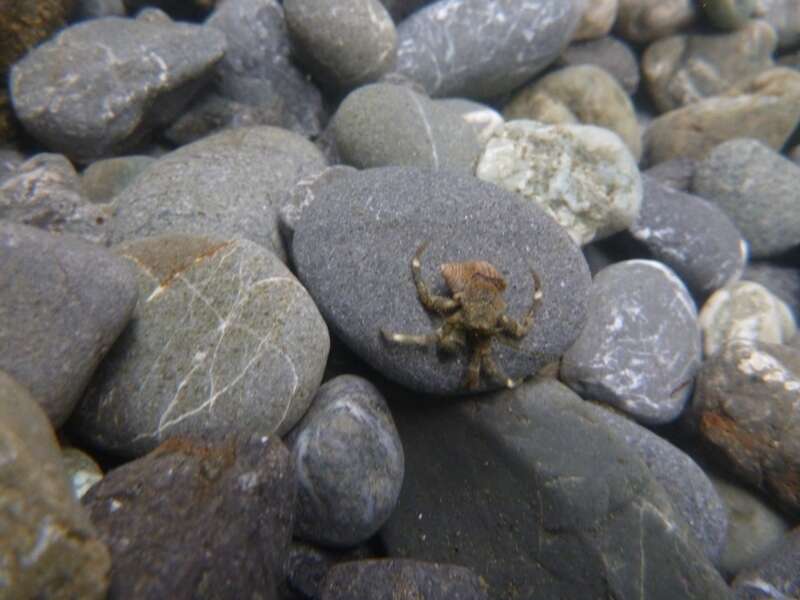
x=197 y=519
x=676 y=173
x=534 y=494
x=390 y=579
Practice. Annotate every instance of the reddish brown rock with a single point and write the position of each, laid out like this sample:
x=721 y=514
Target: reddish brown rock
x=745 y=410
x=197 y=520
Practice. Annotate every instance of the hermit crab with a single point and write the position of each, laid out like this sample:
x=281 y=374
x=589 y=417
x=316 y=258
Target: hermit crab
x=473 y=316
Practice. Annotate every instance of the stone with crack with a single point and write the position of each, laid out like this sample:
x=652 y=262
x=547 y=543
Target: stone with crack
x=224 y=340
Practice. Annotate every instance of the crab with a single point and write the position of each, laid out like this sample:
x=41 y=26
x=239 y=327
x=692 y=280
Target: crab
x=473 y=316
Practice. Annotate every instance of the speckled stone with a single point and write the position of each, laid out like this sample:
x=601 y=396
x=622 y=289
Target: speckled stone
x=648 y=20
x=104 y=179
x=63 y=303
x=49 y=548
x=78 y=97
x=597 y=19
x=483 y=48
x=343 y=45
x=744 y=408
x=568 y=496
x=754 y=528
x=230 y=184
x=690 y=235
x=349 y=464
x=766 y=107
x=757 y=188
x=398 y=578
x=81 y=469
x=224 y=340
x=46 y=192
x=353 y=249
x=583 y=176
x=198 y=519
x=686 y=68
x=744 y=310
x=608 y=53
x=582 y=94
x=776 y=577
x=640 y=348
x=484 y=120
x=382 y=124
x=729 y=14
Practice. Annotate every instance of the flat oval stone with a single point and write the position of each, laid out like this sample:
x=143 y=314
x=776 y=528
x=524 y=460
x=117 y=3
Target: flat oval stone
x=483 y=48
x=224 y=340
x=229 y=184
x=640 y=348
x=349 y=464
x=353 y=249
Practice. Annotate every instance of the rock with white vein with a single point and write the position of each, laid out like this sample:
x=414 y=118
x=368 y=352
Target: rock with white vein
x=640 y=348
x=349 y=463
x=583 y=176
x=224 y=340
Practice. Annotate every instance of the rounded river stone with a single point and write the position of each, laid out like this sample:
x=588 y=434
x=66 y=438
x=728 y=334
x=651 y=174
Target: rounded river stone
x=224 y=340
x=353 y=249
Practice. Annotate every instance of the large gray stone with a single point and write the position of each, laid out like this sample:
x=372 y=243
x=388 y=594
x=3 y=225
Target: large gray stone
x=63 y=302
x=349 y=463
x=353 y=249
x=230 y=184
x=483 y=48
x=382 y=124
x=99 y=87
x=49 y=548
x=640 y=348
x=224 y=340
x=540 y=498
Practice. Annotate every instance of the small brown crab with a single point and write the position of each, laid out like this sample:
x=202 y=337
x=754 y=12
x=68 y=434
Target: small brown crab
x=474 y=315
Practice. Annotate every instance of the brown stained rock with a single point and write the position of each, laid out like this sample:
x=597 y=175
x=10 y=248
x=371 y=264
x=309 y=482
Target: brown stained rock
x=765 y=107
x=24 y=23
x=48 y=549
x=198 y=519
x=745 y=411
x=399 y=579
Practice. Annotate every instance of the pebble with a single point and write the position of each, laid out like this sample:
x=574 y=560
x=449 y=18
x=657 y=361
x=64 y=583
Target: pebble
x=643 y=21
x=46 y=192
x=77 y=96
x=754 y=528
x=343 y=45
x=81 y=469
x=535 y=464
x=483 y=48
x=690 y=235
x=783 y=280
x=608 y=53
x=257 y=81
x=744 y=410
x=583 y=176
x=104 y=179
x=597 y=19
x=383 y=124
x=49 y=547
x=485 y=120
x=685 y=68
x=353 y=249
x=196 y=519
x=224 y=340
x=692 y=493
x=776 y=577
x=784 y=16
x=191 y=189
x=398 y=578
x=729 y=14
x=640 y=348
x=766 y=107
x=745 y=310
x=582 y=94
x=349 y=464
x=757 y=188
x=69 y=302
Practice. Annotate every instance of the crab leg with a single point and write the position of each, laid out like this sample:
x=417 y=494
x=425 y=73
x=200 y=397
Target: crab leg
x=519 y=330
x=439 y=304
